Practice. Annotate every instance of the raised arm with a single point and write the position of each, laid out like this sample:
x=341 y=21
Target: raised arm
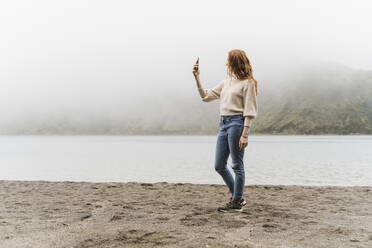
x=207 y=95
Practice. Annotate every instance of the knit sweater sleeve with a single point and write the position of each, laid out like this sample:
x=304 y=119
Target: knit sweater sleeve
x=208 y=95
x=250 y=103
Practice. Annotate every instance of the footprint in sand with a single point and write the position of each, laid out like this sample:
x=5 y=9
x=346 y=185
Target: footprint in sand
x=190 y=220
x=165 y=219
x=133 y=236
x=269 y=227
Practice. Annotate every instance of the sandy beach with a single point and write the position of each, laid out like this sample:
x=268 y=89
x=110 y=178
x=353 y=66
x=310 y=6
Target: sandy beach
x=83 y=214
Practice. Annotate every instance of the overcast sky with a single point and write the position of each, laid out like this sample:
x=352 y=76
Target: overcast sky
x=99 y=55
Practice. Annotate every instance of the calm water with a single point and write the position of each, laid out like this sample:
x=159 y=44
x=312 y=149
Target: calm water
x=302 y=160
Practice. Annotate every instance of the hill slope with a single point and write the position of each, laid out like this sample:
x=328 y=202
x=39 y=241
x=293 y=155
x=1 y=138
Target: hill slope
x=329 y=99
x=332 y=101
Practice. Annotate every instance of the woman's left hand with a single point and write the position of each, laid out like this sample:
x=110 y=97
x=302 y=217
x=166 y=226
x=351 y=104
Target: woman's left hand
x=243 y=142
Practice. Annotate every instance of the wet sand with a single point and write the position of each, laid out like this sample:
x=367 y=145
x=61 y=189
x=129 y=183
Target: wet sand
x=82 y=215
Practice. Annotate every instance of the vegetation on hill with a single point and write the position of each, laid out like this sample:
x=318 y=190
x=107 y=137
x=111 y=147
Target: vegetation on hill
x=318 y=100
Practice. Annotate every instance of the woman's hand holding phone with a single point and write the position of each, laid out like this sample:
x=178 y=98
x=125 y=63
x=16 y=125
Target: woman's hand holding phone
x=195 y=70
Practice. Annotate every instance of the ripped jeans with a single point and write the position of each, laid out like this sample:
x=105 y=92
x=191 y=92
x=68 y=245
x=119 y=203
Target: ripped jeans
x=231 y=128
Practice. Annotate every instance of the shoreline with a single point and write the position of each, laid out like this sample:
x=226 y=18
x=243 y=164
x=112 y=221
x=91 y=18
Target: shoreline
x=184 y=183
x=251 y=134
x=82 y=214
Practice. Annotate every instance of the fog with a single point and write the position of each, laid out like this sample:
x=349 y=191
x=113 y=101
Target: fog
x=97 y=60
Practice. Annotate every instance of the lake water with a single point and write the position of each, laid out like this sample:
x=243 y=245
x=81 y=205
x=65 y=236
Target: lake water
x=269 y=159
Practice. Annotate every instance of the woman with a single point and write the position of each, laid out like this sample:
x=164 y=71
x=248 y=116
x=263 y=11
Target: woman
x=238 y=106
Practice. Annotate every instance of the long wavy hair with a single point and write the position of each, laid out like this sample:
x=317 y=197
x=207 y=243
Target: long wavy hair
x=238 y=66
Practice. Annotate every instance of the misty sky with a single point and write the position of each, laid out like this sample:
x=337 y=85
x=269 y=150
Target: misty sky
x=76 y=56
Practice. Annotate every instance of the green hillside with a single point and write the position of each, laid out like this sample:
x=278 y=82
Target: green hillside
x=328 y=99
x=321 y=102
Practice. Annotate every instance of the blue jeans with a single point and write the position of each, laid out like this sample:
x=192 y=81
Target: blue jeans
x=231 y=128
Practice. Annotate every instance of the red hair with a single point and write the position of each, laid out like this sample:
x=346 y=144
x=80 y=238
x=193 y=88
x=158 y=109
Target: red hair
x=238 y=65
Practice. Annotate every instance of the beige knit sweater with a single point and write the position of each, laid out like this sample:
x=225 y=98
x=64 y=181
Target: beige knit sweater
x=236 y=97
